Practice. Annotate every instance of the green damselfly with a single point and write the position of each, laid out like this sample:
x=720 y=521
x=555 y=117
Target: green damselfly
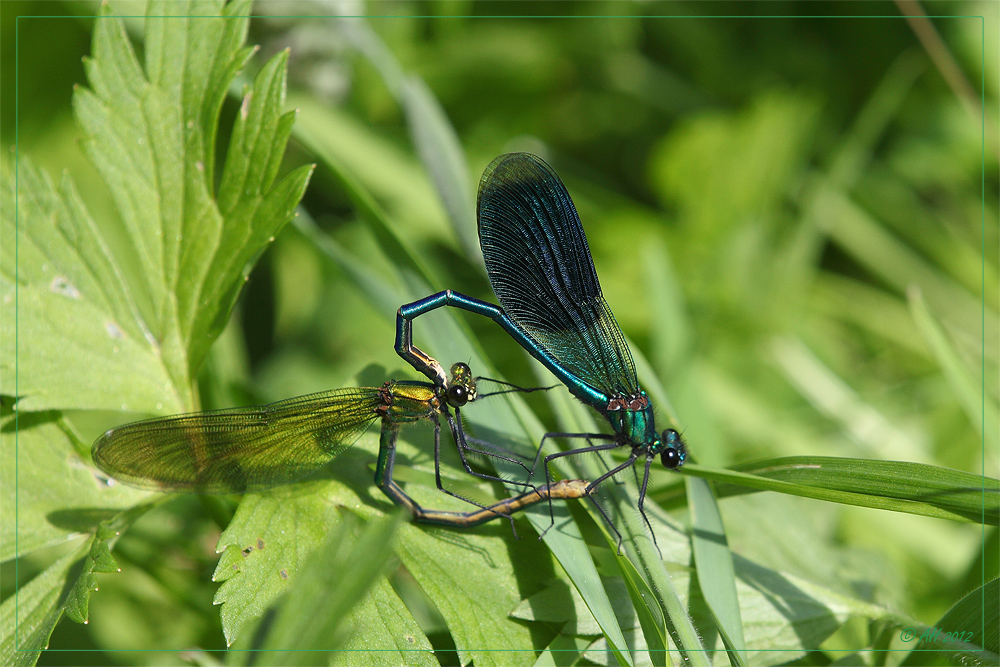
x=248 y=449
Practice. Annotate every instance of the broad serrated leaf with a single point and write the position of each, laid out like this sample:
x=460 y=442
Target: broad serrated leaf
x=254 y=208
x=151 y=135
x=291 y=522
x=266 y=543
x=383 y=633
x=474 y=598
x=309 y=622
x=118 y=314
x=37 y=512
x=28 y=617
x=77 y=339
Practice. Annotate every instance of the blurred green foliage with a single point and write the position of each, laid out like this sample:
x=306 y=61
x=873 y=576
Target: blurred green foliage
x=794 y=218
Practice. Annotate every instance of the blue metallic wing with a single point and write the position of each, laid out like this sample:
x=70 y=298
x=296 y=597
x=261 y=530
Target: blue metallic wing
x=540 y=267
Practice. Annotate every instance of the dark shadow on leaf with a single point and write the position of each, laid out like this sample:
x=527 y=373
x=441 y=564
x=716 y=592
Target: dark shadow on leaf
x=81 y=519
x=791 y=602
x=260 y=633
x=374 y=375
x=715 y=538
x=455 y=538
x=28 y=420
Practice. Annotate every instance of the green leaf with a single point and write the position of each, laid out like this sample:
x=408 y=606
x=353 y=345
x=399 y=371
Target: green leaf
x=120 y=316
x=645 y=557
x=441 y=153
x=433 y=136
x=981 y=411
x=651 y=621
x=714 y=563
x=384 y=296
x=899 y=486
x=49 y=493
x=877 y=250
x=383 y=633
x=153 y=142
x=672 y=332
x=475 y=597
x=561 y=603
x=785 y=616
x=836 y=399
x=968 y=634
x=562 y=651
x=254 y=208
x=308 y=623
x=664 y=594
x=89 y=345
x=387 y=175
x=28 y=617
x=265 y=546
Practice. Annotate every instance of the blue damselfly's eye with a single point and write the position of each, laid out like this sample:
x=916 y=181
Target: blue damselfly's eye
x=670 y=458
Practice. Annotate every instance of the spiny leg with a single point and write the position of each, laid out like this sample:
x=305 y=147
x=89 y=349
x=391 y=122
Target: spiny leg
x=581 y=450
x=461 y=442
x=642 y=499
x=597 y=482
x=456 y=434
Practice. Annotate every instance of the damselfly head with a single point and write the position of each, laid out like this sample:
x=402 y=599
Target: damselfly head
x=462 y=387
x=674 y=451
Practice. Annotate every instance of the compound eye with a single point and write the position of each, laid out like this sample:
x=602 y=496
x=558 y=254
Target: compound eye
x=457 y=396
x=671 y=458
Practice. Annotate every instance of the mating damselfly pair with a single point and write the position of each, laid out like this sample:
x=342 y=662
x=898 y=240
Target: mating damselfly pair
x=540 y=267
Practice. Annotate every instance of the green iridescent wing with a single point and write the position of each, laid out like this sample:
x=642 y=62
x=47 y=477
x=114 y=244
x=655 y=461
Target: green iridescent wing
x=239 y=449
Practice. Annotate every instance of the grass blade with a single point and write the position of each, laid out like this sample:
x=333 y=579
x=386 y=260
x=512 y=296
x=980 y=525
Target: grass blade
x=899 y=486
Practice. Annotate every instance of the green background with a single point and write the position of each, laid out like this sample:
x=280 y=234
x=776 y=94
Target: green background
x=793 y=215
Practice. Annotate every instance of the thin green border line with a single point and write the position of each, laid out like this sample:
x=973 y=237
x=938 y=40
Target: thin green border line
x=17 y=25
x=510 y=16
x=982 y=194
x=17 y=263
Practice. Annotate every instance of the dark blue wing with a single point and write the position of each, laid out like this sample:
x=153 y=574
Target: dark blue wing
x=540 y=267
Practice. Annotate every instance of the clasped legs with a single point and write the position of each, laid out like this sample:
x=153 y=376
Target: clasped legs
x=564 y=489
x=426 y=364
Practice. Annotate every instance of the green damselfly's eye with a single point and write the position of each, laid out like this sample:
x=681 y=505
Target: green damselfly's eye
x=457 y=396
